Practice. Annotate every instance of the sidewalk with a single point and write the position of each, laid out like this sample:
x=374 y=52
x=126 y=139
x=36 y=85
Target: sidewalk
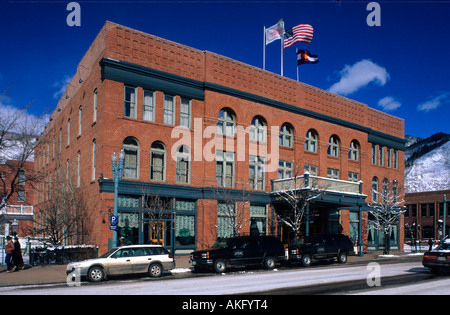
x=51 y=274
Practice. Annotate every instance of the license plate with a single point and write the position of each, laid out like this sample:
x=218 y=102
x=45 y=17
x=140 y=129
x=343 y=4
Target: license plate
x=441 y=258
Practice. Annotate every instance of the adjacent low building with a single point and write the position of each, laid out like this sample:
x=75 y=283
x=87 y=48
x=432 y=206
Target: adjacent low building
x=209 y=142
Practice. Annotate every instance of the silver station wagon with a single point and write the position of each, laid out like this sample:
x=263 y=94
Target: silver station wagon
x=130 y=259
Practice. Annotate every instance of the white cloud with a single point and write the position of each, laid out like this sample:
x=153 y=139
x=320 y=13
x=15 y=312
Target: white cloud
x=434 y=103
x=359 y=75
x=61 y=85
x=389 y=103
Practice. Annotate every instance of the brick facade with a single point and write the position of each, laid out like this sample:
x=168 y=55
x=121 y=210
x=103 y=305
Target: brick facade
x=120 y=56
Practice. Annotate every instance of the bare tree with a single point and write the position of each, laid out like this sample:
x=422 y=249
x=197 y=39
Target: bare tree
x=158 y=210
x=18 y=138
x=384 y=212
x=231 y=206
x=63 y=216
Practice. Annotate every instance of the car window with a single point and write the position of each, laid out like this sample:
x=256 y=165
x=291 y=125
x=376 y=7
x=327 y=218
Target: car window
x=444 y=246
x=140 y=252
x=125 y=252
x=156 y=251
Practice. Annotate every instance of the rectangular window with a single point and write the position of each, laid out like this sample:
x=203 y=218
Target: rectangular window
x=284 y=169
x=93 y=158
x=353 y=177
x=185 y=113
x=94 y=118
x=256 y=172
x=68 y=131
x=148 y=106
x=21 y=178
x=129 y=102
x=21 y=196
x=80 y=110
x=311 y=169
x=225 y=220
x=374 y=154
x=396 y=159
x=381 y=155
x=169 y=110
x=389 y=157
x=224 y=168
x=258 y=220
x=79 y=169
x=157 y=165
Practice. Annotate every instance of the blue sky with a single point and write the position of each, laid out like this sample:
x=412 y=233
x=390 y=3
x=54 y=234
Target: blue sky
x=401 y=67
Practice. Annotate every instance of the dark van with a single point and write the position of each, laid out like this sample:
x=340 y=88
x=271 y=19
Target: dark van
x=321 y=247
x=240 y=252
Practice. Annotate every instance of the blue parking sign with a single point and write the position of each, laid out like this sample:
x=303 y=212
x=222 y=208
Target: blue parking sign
x=113 y=220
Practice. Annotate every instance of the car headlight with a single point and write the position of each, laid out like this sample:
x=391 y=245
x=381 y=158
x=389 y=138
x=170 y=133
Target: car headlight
x=205 y=255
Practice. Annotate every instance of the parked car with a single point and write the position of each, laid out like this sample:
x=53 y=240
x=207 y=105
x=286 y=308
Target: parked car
x=438 y=258
x=240 y=252
x=321 y=247
x=131 y=259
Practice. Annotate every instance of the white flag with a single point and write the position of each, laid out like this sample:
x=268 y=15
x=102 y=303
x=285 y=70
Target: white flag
x=275 y=32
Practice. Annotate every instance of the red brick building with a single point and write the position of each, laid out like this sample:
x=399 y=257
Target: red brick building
x=195 y=127
x=424 y=215
x=19 y=207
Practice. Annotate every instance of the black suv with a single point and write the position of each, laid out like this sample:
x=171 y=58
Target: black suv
x=240 y=251
x=321 y=247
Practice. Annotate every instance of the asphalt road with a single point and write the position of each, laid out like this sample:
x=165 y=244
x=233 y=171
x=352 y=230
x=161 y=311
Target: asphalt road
x=335 y=279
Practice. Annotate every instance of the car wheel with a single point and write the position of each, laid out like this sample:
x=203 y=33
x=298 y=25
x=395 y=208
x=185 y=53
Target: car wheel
x=96 y=274
x=220 y=265
x=155 y=270
x=269 y=263
x=342 y=257
x=306 y=260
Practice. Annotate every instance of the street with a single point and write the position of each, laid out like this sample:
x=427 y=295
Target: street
x=390 y=278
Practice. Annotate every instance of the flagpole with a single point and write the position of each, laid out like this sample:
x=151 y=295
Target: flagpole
x=264 y=49
x=296 y=54
x=282 y=51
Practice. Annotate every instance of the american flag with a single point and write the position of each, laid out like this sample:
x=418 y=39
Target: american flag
x=299 y=33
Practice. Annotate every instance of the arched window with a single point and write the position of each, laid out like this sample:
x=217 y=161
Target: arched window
x=258 y=130
x=311 y=141
x=226 y=122
x=157 y=161
x=286 y=136
x=395 y=190
x=131 y=163
x=375 y=189
x=333 y=146
x=353 y=154
x=183 y=165
x=385 y=190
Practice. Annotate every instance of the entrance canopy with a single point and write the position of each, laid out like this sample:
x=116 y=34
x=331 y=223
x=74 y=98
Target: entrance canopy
x=338 y=193
x=325 y=198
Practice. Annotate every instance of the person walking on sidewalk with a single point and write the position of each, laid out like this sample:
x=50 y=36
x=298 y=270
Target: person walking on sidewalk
x=17 y=255
x=9 y=248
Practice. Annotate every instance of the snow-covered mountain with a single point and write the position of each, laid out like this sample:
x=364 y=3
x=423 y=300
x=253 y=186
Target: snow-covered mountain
x=427 y=163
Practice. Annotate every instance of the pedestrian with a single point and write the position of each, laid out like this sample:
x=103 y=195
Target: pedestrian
x=17 y=255
x=9 y=248
x=430 y=244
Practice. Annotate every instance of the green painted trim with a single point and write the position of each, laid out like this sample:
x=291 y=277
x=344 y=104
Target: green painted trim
x=177 y=191
x=136 y=75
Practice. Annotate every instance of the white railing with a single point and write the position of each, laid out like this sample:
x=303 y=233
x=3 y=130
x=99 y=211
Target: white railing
x=16 y=210
x=311 y=181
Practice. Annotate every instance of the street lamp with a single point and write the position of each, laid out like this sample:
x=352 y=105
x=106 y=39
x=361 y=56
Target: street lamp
x=117 y=169
x=14 y=227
